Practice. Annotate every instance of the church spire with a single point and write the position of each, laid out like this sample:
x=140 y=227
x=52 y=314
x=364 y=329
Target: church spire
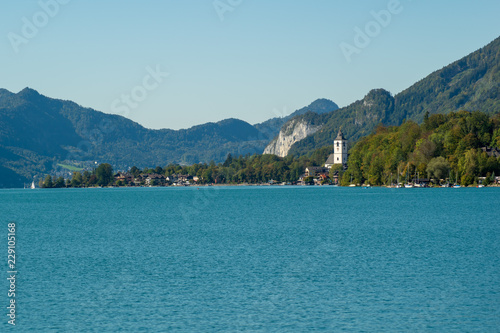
x=340 y=136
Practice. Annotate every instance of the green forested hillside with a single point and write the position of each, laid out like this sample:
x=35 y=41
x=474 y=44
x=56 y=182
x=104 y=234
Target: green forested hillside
x=356 y=120
x=443 y=145
x=40 y=135
x=471 y=83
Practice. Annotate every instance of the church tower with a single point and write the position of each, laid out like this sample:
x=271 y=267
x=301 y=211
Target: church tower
x=340 y=149
x=339 y=155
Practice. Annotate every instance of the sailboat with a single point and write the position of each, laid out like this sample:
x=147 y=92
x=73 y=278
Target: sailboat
x=397 y=184
x=32 y=184
x=456 y=182
x=352 y=185
x=408 y=185
x=447 y=181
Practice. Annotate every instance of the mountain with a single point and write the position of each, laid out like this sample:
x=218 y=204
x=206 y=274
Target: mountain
x=307 y=132
x=272 y=126
x=471 y=83
x=40 y=135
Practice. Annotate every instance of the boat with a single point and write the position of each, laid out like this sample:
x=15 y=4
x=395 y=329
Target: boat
x=417 y=183
x=352 y=185
x=456 y=185
x=32 y=184
x=397 y=184
x=408 y=185
x=447 y=184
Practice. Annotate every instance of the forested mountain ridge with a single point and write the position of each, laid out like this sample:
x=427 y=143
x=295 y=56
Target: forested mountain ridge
x=471 y=83
x=40 y=135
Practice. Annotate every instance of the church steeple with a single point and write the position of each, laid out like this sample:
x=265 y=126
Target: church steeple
x=339 y=155
x=340 y=149
x=340 y=135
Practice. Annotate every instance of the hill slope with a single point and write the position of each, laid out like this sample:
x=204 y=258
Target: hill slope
x=39 y=134
x=471 y=83
x=443 y=146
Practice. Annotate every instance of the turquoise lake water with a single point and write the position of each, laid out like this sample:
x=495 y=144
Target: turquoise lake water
x=258 y=259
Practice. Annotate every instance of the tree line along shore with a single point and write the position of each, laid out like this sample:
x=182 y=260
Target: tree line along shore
x=459 y=148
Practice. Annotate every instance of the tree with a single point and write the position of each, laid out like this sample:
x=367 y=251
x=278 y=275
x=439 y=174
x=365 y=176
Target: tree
x=135 y=171
x=85 y=177
x=59 y=182
x=92 y=180
x=77 y=179
x=309 y=180
x=158 y=170
x=228 y=160
x=438 y=168
x=104 y=174
x=426 y=120
x=48 y=182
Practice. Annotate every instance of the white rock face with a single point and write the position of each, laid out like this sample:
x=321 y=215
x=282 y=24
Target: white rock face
x=291 y=132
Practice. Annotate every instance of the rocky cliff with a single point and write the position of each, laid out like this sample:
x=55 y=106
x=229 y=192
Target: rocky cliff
x=293 y=131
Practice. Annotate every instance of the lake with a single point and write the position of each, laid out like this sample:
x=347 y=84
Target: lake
x=257 y=259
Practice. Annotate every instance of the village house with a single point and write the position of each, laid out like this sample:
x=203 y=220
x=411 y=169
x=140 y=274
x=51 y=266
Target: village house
x=140 y=180
x=155 y=179
x=495 y=152
x=314 y=171
x=335 y=177
x=172 y=178
x=184 y=178
x=124 y=177
x=178 y=179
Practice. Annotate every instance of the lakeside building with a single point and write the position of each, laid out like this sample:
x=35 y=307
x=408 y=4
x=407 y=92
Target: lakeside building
x=339 y=155
x=494 y=152
x=314 y=171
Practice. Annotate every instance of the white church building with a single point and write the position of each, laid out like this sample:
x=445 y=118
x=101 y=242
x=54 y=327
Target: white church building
x=339 y=155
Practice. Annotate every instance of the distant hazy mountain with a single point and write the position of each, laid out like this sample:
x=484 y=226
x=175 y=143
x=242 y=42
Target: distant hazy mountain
x=38 y=133
x=471 y=83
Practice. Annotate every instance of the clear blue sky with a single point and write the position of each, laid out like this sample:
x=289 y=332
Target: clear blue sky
x=265 y=58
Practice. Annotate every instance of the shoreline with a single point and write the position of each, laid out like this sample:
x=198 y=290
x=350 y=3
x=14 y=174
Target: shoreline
x=254 y=185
